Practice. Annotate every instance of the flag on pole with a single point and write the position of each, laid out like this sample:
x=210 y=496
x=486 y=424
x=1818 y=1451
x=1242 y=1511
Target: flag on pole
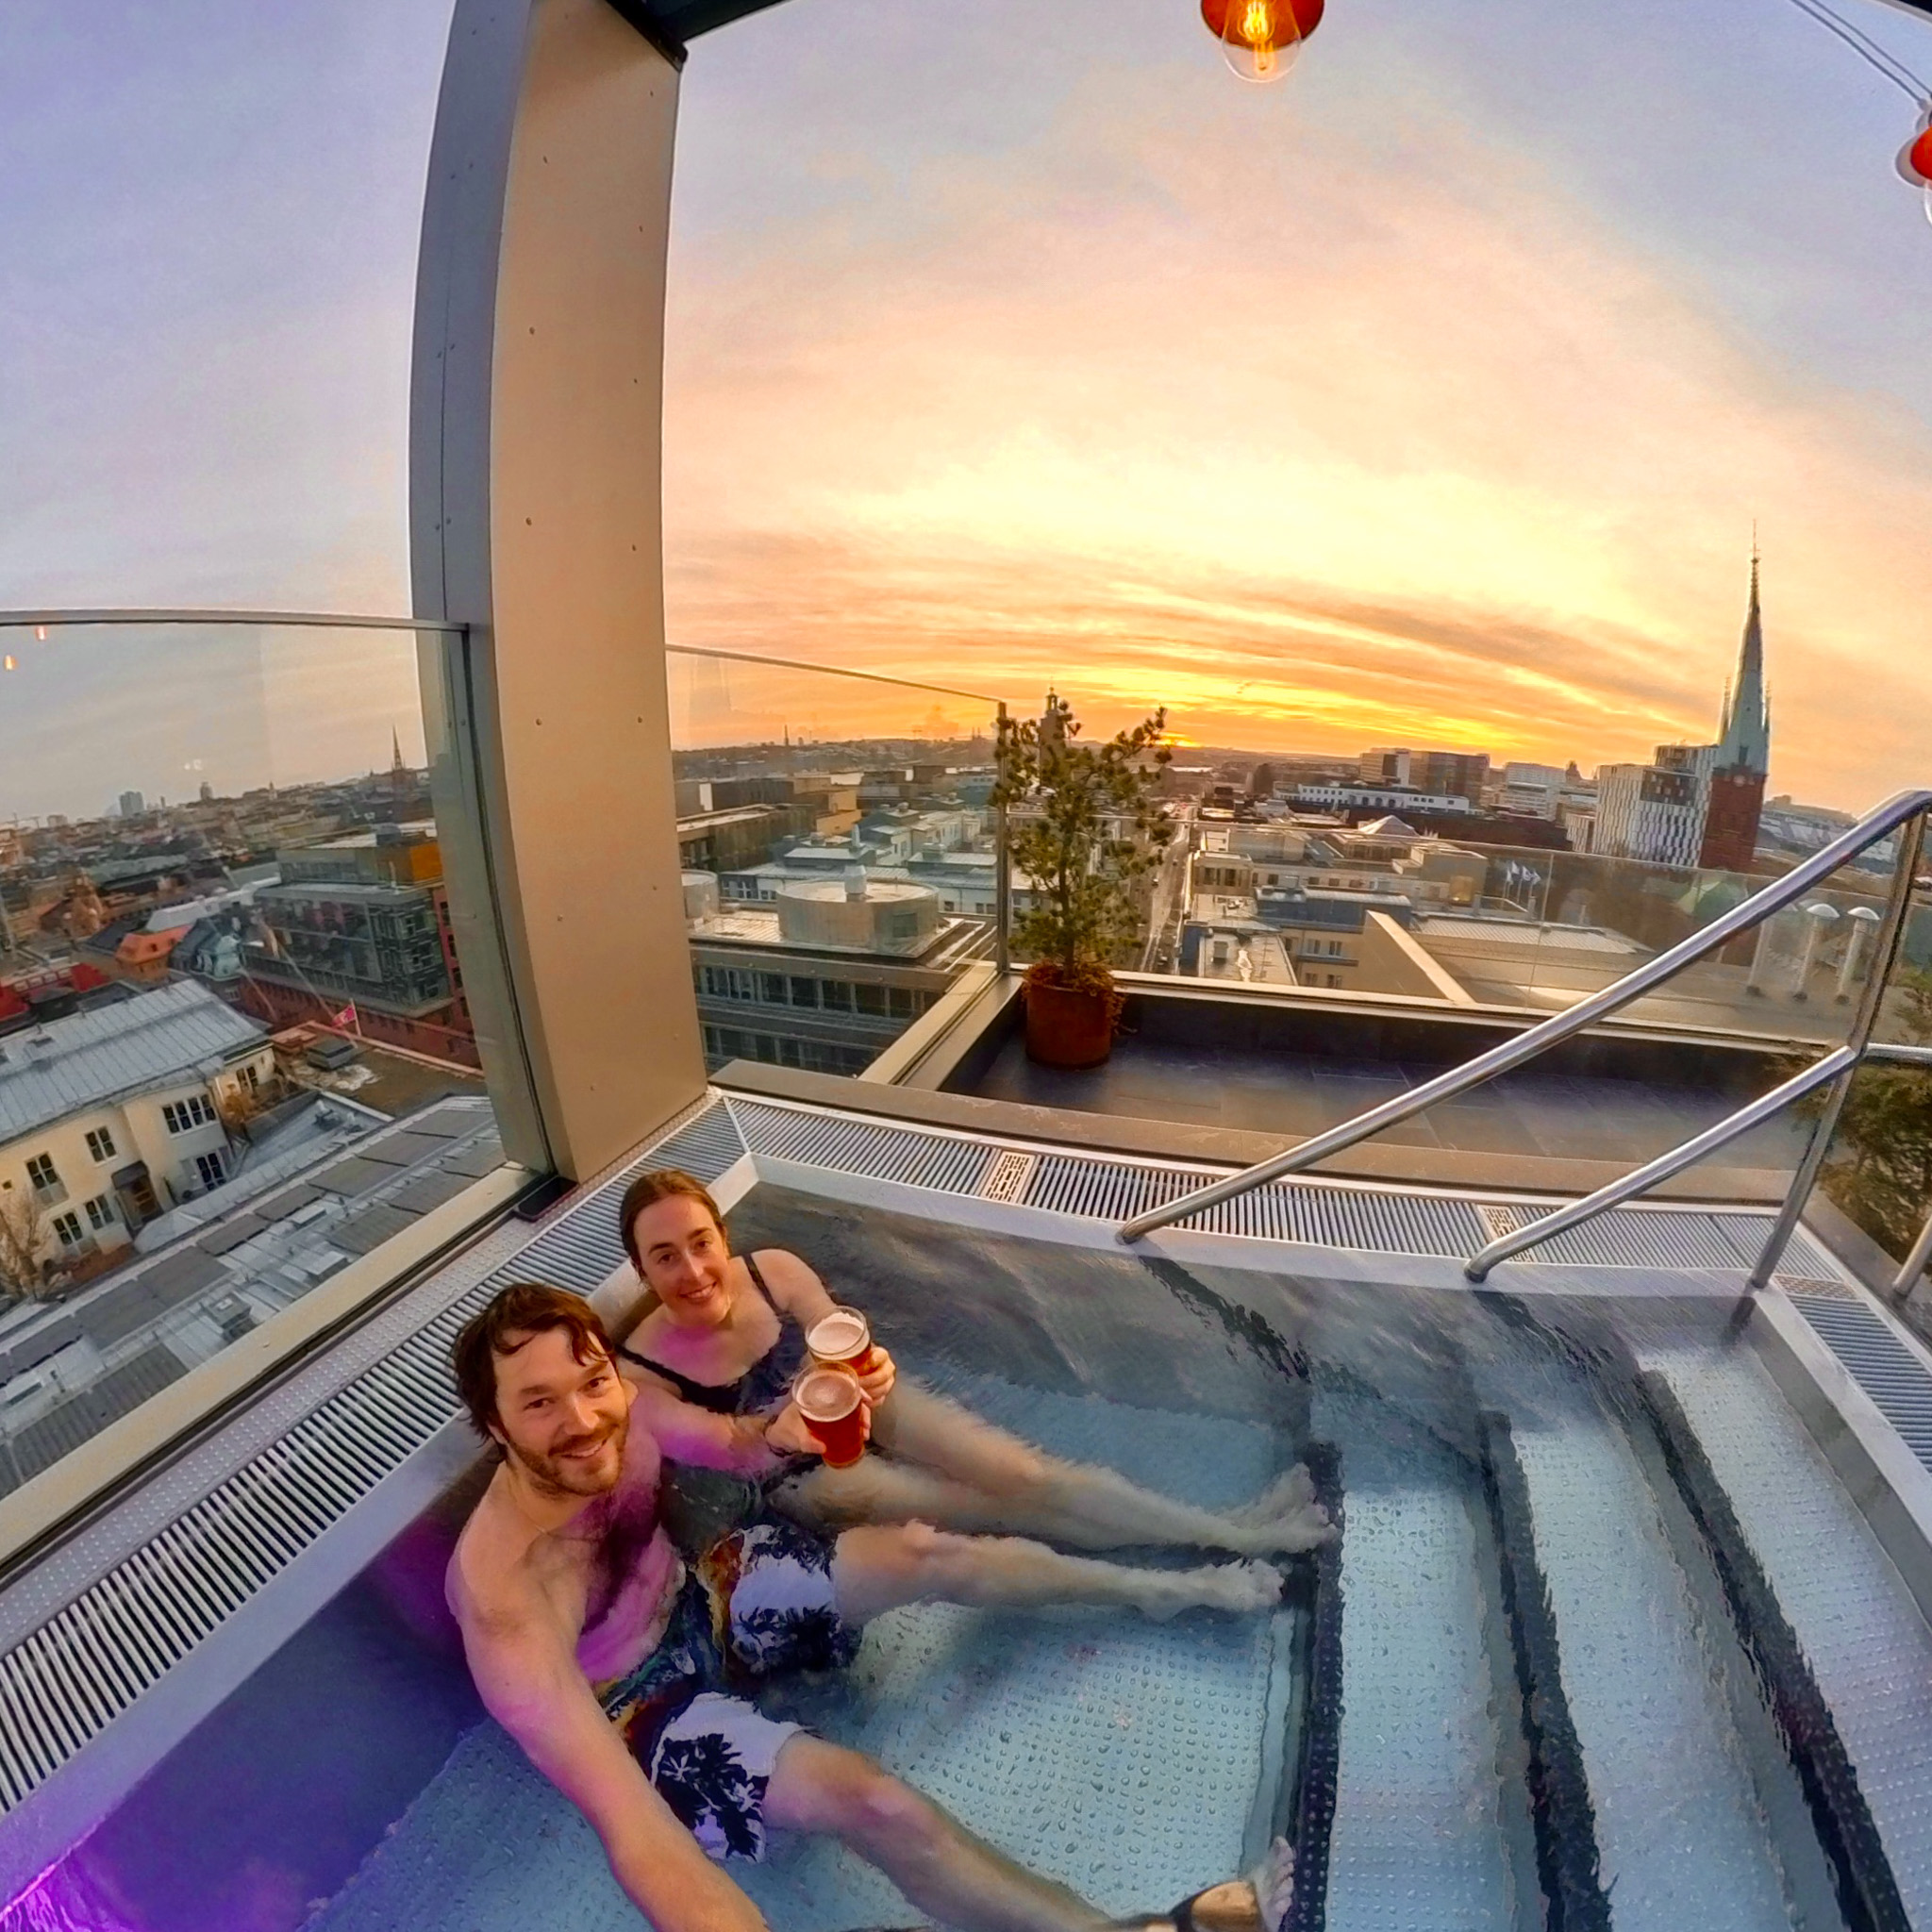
x=345 y=1018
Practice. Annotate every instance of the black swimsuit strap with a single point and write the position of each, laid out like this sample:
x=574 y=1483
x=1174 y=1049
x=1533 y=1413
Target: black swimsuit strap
x=757 y=1281
x=719 y=1396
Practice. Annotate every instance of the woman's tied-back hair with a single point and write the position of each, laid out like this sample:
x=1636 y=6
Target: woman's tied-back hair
x=662 y=1185
x=521 y=1310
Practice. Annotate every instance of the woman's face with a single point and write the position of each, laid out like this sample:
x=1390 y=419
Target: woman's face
x=687 y=1260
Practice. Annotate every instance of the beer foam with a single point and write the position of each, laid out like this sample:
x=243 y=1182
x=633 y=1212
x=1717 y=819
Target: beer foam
x=838 y=1335
x=826 y=1394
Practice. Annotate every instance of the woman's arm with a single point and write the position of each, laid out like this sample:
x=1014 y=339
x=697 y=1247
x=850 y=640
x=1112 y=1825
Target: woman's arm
x=800 y=1292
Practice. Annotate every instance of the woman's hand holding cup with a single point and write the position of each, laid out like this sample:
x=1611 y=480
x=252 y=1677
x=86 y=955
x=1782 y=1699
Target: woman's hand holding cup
x=843 y=1339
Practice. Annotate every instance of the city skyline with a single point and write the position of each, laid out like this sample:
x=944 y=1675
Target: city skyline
x=1429 y=396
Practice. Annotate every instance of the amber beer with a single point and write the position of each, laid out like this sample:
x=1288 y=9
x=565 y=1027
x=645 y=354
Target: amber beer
x=843 y=1337
x=829 y=1399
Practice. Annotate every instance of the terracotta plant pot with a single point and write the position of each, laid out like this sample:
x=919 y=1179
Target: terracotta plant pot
x=1069 y=1027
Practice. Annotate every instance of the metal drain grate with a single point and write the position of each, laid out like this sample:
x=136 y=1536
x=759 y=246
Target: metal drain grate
x=1343 y=1217
x=65 y=1682
x=1881 y=1364
x=1624 y=1240
x=857 y=1146
x=1499 y=1221
x=583 y=1243
x=1009 y=1177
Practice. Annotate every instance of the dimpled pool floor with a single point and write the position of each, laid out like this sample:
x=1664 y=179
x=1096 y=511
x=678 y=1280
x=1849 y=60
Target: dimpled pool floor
x=1120 y=1757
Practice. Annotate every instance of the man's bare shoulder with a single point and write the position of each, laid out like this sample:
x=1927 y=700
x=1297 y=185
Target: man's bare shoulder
x=491 y=1576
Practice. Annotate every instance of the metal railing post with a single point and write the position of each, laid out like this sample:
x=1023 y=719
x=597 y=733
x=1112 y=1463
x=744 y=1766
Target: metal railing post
x=1003 y=863
x=1914 y=1264
x=1911 y=841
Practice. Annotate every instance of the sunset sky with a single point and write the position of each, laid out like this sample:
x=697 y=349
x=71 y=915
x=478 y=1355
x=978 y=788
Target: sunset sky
x=1429 y=396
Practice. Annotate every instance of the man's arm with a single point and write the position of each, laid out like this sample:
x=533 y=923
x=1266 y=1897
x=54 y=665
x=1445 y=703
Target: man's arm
x=530 y=1683
x=739 y=1444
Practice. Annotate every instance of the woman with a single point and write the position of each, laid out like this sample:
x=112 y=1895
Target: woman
x=726 y=1333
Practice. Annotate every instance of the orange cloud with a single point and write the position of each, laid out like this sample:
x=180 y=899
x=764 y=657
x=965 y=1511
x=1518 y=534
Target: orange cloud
x=1314 y=441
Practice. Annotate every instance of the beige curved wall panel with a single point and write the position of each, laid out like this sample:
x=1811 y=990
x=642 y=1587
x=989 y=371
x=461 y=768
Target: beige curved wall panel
x=536 y=520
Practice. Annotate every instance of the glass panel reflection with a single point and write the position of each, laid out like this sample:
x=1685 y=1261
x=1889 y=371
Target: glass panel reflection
x=235 y=1050
x=838 y=853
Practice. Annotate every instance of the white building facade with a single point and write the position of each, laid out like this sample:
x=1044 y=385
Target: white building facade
x=111 y=1116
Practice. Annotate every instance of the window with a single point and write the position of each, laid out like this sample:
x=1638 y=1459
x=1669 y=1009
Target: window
x=41 y=1172
x=1335 y=949
x=183 y=1116
x=870 y=999
x=251 y=1078
x=771 y=988
x=100 y=1144
x=211 y=1169
x=1334 y=979
x=67 y=1227
x=804 y=992
x=100 y=1213
x=837 y=995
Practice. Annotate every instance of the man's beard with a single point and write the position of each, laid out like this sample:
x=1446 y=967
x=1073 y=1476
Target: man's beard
x=576 y=1477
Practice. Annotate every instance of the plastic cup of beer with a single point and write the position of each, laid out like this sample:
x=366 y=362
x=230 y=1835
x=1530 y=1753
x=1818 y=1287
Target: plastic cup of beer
x=829 y=1399
x=843 y=1337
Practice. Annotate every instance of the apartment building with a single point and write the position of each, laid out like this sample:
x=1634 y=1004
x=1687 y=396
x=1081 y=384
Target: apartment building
x=110 y=1117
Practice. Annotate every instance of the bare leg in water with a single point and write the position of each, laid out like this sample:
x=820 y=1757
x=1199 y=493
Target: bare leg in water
x=959 y=1879
x=878 y=1567
x=939 y=1865
x=944 y=1465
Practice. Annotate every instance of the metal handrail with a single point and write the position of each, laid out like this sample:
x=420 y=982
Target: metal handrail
x=1901 y=810
x=1641 y=1180
x=947 y=690
x=273 y=620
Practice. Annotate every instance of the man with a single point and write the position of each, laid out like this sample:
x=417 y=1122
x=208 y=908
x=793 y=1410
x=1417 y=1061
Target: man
x=613 y=1667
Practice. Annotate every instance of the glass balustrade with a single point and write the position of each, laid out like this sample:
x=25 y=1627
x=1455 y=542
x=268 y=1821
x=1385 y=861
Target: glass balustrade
x=236 y=1054
x=839 y=851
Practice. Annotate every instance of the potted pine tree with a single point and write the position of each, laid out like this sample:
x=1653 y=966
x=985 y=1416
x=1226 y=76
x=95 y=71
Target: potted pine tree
x=1085 y=831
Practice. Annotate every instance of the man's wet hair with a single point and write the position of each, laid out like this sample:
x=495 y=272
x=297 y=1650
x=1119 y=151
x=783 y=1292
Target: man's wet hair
x=508 y=1320
x=661 y=1184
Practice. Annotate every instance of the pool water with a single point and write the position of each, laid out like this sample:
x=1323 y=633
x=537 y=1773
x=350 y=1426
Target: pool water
x=1137 y=1762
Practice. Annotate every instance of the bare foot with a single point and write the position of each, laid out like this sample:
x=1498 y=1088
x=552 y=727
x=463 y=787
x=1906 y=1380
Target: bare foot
x=1236 y=1587
x=1292 y=1490
x=1285 y=1516
x=1273 y=1884
x=1257 y=1903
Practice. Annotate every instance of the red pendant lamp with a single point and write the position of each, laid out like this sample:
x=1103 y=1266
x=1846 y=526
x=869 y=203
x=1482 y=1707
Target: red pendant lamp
x=1915 y=164
x=1261 y=38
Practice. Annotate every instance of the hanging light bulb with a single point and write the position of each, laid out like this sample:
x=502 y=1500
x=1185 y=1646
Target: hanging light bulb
x=1261 y=38
x=8 y=664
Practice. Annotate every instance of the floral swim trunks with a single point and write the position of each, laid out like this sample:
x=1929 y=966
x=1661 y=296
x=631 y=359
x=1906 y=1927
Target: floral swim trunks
x=759 y=1603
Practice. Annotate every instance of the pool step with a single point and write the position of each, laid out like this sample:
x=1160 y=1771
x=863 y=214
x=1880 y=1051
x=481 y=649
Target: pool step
x=1305 y=1807
x=1430 y=1819
x=1861 y=1873
x=1676 y=1792
x=1564 y=1821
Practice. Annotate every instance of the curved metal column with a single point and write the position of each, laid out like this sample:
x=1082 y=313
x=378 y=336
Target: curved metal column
x=535 y=523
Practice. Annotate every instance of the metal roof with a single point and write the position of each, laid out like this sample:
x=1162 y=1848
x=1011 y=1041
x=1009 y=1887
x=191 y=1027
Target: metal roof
x=89 y=1058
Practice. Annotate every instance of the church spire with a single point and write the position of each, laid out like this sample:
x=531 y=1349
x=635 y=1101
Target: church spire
x=1745 y=742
